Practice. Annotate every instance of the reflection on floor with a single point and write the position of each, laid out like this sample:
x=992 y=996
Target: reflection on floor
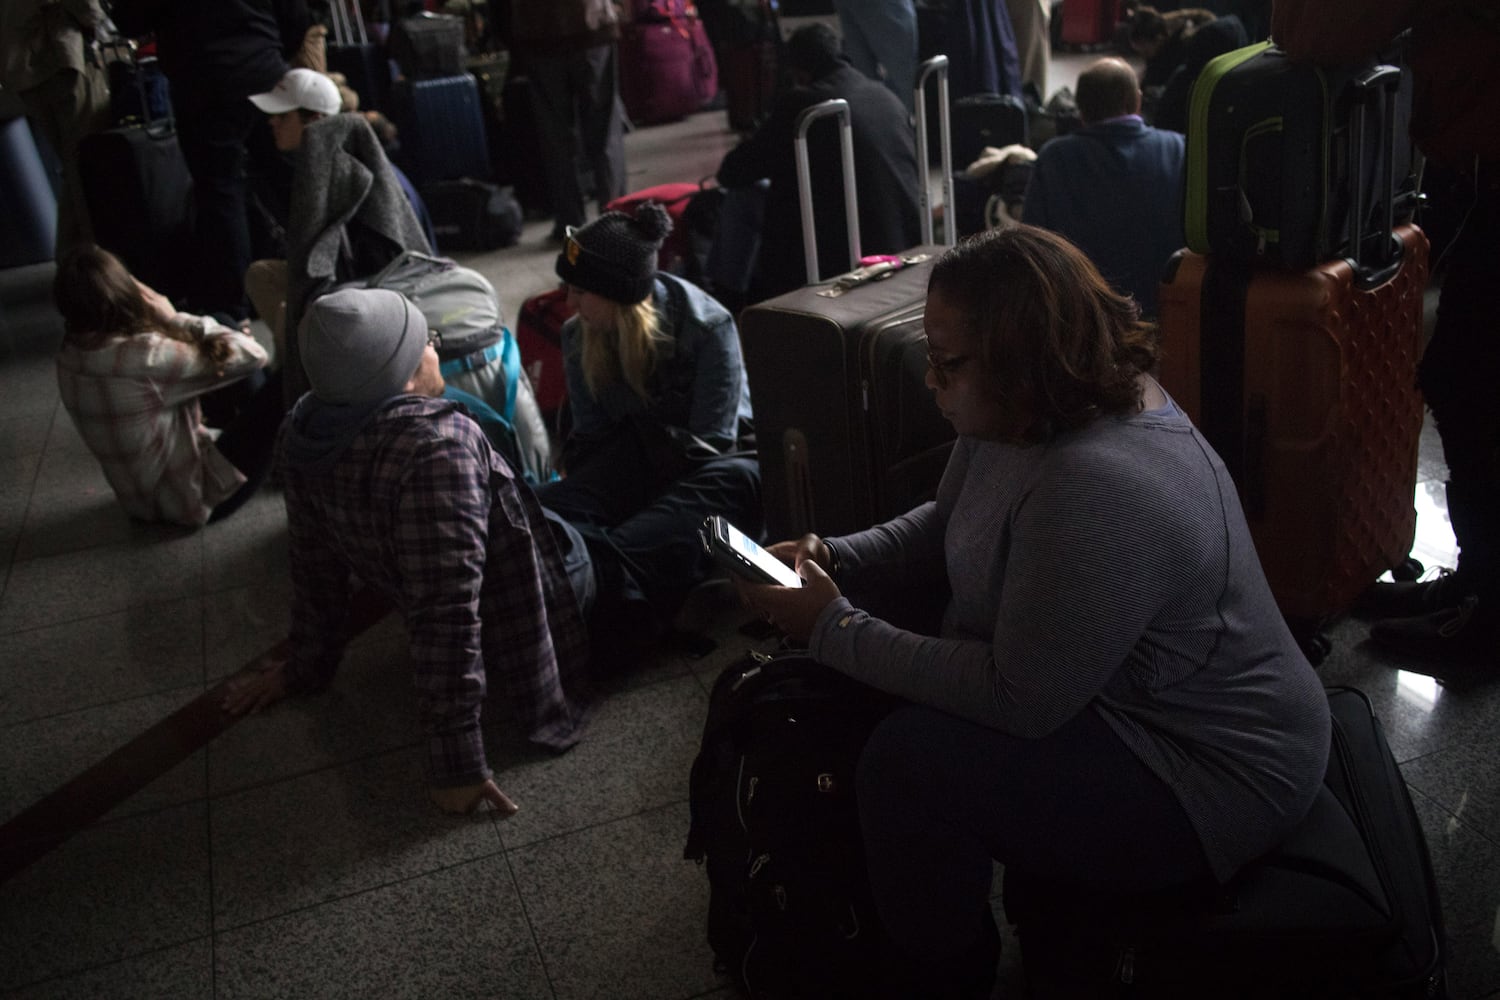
x=295 y=856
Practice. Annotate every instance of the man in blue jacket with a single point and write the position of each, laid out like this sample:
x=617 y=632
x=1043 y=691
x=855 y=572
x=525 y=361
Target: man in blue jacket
x=1114 y=187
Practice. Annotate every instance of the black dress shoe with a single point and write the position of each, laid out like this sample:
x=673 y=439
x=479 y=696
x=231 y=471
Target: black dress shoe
x=1407 y=598
x=1467 y=633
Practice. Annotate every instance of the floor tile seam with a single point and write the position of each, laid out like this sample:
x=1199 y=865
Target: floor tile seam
x=105 y=613
x=208 y=833
x=243 y=583
x=588 y=827
x=644 y=684
x=500 y=852
x=11 y=557
x=97 y=966
x=536 y=941
x=105 y=823
x=197 y=687
x=216 y=795
x=210 y=795
x=1468 y=826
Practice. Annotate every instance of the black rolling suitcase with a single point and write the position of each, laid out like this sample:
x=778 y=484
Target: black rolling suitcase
x=981 y=120
x=426 y=46
x=442 y=129
x=776 y=827
x=1347 y=907
x=362 y=61
x=140 y=198
x=1271 y=147
x=848 y=432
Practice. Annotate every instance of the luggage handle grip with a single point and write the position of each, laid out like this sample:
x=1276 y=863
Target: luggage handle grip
x=936 y=65
x=1367 y=87
x=839 y=108
x=342 y=34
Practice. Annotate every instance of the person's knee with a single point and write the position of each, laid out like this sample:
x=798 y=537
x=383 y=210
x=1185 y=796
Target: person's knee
x=890 y=766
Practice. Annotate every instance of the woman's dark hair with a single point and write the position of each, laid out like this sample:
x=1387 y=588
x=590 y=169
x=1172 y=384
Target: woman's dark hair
x=1057 y=345
x=97 y=297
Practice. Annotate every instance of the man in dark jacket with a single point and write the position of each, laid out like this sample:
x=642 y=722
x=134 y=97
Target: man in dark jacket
x=216 y=55
x=885 y=168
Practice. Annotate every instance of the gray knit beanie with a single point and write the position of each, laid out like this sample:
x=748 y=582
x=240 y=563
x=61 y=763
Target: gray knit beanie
x=361 y=345
x=615 y=255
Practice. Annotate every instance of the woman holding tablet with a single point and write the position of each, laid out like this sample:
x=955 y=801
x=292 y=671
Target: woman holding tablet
x=1113 y=699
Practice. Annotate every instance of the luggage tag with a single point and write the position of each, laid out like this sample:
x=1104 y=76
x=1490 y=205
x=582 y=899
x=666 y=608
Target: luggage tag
x=872 y=268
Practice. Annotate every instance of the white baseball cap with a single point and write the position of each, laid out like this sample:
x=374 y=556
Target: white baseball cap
x=300 y=88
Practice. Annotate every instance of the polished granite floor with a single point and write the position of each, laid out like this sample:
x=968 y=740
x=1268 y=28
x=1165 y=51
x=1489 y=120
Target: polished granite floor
x=296 y=855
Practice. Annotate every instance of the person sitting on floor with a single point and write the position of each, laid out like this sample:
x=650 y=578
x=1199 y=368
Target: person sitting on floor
x=1113 y=699
x=389 y=483
x=350 y=214
x=1113 y=187
x=1161 y=38
x=661 y=409
x=760 y=175
x=132 y=373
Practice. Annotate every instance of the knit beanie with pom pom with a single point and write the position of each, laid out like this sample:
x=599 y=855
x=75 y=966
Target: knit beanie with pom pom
x=615 y=255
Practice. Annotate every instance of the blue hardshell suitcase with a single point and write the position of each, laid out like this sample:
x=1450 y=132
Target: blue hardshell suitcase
x=442 y=129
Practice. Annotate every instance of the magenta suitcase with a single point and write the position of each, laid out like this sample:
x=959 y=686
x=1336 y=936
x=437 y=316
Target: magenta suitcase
x=667 y=67
x=1089 y=22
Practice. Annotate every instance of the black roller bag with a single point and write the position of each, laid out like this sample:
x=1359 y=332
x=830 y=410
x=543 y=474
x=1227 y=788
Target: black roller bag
x=849 y=434
x=1270 y=153
x=1347 y=907
x=775 y=823
x=140 y=195
x=351 y=53
x=427 y=46
x=472 y=215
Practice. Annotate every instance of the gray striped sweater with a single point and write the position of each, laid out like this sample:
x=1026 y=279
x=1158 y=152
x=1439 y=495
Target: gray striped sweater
x=1108 y=571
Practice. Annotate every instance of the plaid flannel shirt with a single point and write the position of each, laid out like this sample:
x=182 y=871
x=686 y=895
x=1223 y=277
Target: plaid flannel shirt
x=134 y=401
x=421 y=508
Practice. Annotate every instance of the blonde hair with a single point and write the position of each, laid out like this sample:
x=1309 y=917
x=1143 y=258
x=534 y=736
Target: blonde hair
x=626 y=351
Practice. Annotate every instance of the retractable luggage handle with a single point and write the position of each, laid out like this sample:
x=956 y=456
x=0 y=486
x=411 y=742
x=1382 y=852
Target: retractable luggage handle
x=1367 y=87
x=345 y=21
x=939 y=66
x=840 y=108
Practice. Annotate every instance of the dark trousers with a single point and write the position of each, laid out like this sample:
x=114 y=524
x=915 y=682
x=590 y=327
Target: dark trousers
x=213 y=145
x=642 y=528
x=941 y=798
x=250 y=412
x=578 y=110
x=1457 y=377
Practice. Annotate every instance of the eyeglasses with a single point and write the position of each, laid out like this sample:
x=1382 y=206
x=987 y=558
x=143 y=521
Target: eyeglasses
x=943 y=368
x=434 y=340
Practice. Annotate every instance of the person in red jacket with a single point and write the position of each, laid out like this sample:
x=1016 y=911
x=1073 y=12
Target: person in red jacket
x=1456 y=103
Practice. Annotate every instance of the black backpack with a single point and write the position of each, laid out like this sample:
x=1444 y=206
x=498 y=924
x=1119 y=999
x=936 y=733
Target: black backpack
x=775 y=824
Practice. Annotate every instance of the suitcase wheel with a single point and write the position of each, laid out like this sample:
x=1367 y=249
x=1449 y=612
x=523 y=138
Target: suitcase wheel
x=1408 y=569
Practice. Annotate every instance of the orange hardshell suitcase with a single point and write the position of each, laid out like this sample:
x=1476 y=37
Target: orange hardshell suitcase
x=1315 y=410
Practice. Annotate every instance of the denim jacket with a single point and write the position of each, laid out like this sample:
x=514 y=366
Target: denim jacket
x=698 y=385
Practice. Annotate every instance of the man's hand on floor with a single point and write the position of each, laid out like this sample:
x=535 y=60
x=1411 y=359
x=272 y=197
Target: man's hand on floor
x=466 y=798
x=254 y=690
